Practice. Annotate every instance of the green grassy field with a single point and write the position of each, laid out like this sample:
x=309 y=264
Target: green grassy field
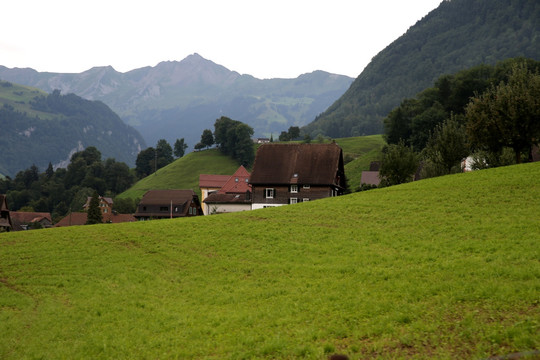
x=363 y=150
x=442 y=268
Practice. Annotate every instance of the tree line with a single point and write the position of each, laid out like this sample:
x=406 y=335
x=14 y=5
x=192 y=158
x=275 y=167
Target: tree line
x=66 y=190
x=489 y=112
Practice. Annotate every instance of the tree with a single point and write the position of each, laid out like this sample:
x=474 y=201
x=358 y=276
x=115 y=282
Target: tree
x=398 y=165
x=164 y=153
x=145 y=163
x=445 y=149
x=507 y=114
x=207 y=139
x=234 y=139
x=294 y=132
x=94 y=212
x=199 y=146
x=284 y=136
x=180 y=148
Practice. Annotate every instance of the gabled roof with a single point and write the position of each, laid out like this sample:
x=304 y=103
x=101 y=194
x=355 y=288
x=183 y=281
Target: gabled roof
x=237 y=183
x=3 y=203
x=79 y=218
x=212 y=181
x=29 y=217
x=314 y=164
x=370 y=178
x=164 y=197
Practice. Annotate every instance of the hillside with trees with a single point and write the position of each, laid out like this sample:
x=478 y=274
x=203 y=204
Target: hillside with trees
x=39 y=128
x=459 y=34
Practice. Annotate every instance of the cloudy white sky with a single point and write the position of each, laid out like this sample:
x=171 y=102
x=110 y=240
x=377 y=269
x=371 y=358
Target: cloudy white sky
x=266 y=39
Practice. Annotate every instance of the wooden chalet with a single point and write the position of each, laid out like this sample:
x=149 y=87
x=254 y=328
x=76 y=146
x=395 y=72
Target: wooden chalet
x=292 y=173
x=5 y=218
x=233 y=196
x=165 y=204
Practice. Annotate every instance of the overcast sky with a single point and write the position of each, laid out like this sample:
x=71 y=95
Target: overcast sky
x=266 y=39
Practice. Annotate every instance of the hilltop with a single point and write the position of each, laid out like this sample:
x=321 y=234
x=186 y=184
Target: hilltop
x=439 y=268
x=457 y=35
x=179 y=99
x=38 y=128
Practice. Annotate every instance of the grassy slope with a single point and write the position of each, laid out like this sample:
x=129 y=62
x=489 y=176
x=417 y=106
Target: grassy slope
x=19 y=97
x=184 y=172
x=440 y=268
x=364 y=150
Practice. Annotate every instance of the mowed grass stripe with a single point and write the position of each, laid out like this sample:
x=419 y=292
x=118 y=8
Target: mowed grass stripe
x=441 y=268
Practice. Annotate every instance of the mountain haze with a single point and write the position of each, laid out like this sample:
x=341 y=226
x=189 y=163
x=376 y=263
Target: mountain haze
x=38 y=128
x=457 y=35
x=178 y=99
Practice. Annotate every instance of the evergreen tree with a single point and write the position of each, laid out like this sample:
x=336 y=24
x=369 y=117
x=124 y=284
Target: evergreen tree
x=94 y=212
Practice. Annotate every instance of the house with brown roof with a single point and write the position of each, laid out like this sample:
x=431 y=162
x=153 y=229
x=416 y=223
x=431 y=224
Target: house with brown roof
x=233 y=196
x=5 y=218
x=79 y=218
x=165 y=204
x=292 y=173
x=22 y=220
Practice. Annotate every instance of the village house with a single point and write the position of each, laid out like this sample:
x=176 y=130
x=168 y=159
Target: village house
x=233 y=196
x=292 y=173
x=22 y=220
x=105 y=204
x=209 y=184
x=5 y=218
x=165 y=204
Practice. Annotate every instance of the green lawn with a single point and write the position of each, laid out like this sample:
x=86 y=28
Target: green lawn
x=442 y=268
x=184 y=173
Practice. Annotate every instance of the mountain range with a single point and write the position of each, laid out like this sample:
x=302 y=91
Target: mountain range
x=39 y=128
x=179 y=99
x=457 y=35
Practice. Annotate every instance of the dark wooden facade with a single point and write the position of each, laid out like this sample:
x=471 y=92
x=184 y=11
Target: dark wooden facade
x=164 y=204
x=5 y=218
x=293 y=173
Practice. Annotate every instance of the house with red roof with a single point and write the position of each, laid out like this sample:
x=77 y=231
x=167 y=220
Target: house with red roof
x=292 y=173
x=233 y=196
x=210 y=184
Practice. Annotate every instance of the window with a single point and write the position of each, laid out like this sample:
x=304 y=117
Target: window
x=294 y=188
x=163 y=208
x=236 y=179
x=269 y=193
x=305 y=199
x=307 y=186
x=190 y=211
x=294 y=200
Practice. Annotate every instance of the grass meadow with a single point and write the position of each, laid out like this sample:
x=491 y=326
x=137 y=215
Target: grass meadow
x=442 y=268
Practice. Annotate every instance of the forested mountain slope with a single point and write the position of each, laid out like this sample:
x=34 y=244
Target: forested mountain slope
x=38 y=128
x=179 y=99
x=457 y=35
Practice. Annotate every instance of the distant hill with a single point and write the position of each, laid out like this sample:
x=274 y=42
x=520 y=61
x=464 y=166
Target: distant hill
x=444 y=268
x=457 y=35
x=180 y=99
x=38 y=128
